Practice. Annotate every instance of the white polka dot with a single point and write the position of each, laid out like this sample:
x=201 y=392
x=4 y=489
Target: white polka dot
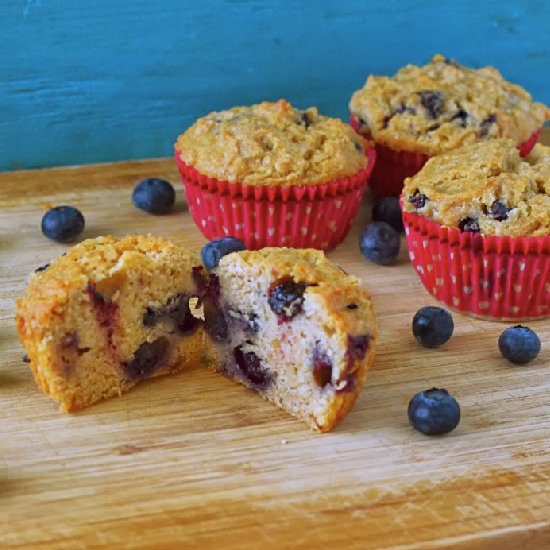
x=497 y=295
x=411 y=255
x=483 y=305
x=456 y=301
x=425 y=243
x=485 y=284
x=198 y=200
x=452 y=255
x=271 y=210
x=338 y=203
x=467 y=289
x=211 y=218
x=314 y=236
x=517 y=287
x=434 y=290
x=485 y=263
x=547 y=287
x=430 y=267
x=220 y=206
x=407 y=230
x=270 y=231
x=203 y=223
x=439 y=282
x=436 y=257
x=284 y=238
x=332 y=226
x=303 y=230
x=466 y=267
x=239 y=226
x=234 y=205
x=225 y=230
x=415 y=244
x=288 y=216
x=514 y=309
x=453 y=278
x=420 y=269
x=308 y=209
x=522 y=266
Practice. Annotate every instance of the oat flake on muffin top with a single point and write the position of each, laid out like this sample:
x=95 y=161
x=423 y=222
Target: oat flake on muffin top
x=486 y=188
x=444 y=105
x=272 y=144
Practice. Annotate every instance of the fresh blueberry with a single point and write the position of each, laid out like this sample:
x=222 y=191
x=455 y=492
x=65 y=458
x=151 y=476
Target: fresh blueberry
x=379 y=243
x=434 y=412
x=154 y=195
x=387 y=210
x=485 y=125
x=213 y=251
x=286 y=297
x=432 y=326
x=519 y=344
x=62 y=224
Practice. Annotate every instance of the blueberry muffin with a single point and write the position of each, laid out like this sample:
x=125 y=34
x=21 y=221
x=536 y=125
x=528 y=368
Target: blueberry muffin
x=444 y=105
x=109 y=313
x=485 y=188
x=272 y=144
x=477 y=222
x=274 y=175
x=299 y=331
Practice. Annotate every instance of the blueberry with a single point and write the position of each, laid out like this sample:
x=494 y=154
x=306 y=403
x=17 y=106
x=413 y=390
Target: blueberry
x=215 y=250
x=63 y=224
x=322 y=368
x=154 y=195
x=433 y=102
x=432 y=326
x=251 y=367
x=499 y=211
x=418 y=200
x=286 y=298
x=462 y=116
x=434 y=412
x=387 y=210
x=519 y=344
x=379 y=243
x=468 y=224
x=147 y=358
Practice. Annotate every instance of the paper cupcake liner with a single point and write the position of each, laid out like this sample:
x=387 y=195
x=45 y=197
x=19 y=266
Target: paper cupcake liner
x=498 y=278
x=299 y=216
x=392 y=167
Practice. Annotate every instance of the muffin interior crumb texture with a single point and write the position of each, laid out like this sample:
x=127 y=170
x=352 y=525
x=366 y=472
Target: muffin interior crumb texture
x=300 y=331
x=108 y=314
x=443 y=105
x=272 y=144
x=485 y=187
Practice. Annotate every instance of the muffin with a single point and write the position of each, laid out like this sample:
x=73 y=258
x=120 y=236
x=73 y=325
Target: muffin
x=421 y=112
x=274 y=175
x=301 y=332
x=477 y=221
x=108 y=314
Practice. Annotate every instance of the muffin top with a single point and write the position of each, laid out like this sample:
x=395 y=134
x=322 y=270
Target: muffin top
x=272 y=144
x=486 y=188
x=444 y=105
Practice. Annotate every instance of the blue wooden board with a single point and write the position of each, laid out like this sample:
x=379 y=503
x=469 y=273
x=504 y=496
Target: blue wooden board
x=89 y=81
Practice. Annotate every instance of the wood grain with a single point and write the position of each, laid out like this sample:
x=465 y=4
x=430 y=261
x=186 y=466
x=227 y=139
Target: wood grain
x=197 y=461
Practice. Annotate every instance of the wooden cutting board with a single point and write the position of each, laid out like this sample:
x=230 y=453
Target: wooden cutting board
x=198 y=461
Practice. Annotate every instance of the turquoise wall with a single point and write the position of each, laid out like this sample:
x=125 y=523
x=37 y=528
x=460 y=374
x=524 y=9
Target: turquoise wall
x=101 y=80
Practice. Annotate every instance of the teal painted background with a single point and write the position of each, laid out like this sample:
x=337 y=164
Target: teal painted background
x=101 y=80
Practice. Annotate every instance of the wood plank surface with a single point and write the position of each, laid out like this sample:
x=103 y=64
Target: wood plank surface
x=198 y=461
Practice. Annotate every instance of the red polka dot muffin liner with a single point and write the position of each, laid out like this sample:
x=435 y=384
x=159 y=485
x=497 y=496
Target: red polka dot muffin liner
x=392 y=167
x=499 y=278
x=297 y=216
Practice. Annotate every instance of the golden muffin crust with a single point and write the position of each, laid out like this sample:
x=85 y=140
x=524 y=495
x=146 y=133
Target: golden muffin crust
x=485 y=187
x=272 y=144
x=310 y=356
x=444 y=105
x=109 y=313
